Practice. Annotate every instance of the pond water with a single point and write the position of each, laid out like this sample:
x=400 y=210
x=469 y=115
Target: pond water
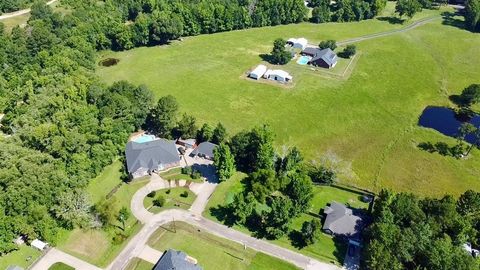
x=446 y=121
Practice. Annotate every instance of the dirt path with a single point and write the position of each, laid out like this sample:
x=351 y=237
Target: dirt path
x=21 y=12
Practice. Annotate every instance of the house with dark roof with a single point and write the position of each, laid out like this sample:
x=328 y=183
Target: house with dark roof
x=325 y=58
x=343 y=221
x=176 y=260
x=205 y=150
x=147 y=157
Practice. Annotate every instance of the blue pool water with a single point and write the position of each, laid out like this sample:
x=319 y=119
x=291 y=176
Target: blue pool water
x=303 y=60
x=144 y=138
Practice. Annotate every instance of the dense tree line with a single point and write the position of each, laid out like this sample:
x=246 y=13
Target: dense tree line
x=346 y=10
x=13 y=5
x=472 y=15
x=413 y=233
x=63 y=126
x=125 y=24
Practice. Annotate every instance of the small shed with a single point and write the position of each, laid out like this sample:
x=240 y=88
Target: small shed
x=258 y=72
x=299 y=43
x=278 y=75
x=40 y=245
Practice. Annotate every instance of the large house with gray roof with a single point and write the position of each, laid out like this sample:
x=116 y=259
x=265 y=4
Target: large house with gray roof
x=325 y=58
x=147 y=157
x=205 y=150
x=176 y=260
x=343 y=221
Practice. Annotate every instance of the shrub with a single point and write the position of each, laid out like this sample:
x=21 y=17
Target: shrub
x=168 y=191
x=187 y=170
x=332 y=44
x=349 y=51
x=184 y=194
x=119 y=238
x=196 y=175
x=322 y=175
x=442 y=148
x=152 y=194
x=159 y=201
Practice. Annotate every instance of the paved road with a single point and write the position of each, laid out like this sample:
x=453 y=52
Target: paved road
x=21 y=12
x=54 y=255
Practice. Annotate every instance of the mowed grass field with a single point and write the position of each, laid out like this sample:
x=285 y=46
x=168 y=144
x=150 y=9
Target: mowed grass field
x=212 y=252
x=368 y=120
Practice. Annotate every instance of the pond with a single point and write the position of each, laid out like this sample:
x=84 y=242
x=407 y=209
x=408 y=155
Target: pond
x=446 y=121
x=109 y=62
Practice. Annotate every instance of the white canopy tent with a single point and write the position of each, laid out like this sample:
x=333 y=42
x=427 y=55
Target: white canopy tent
x=38 y=244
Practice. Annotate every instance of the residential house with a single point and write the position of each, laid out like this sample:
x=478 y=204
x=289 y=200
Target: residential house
x=176 y=260
x=147 y=157
x=205 y=150
x=325 y=58
x=343 y=221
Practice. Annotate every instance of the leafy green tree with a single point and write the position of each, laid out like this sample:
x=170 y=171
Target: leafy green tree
x=253 y=150
x=165 y=27
x=407 y=7
x=277 y=221
x=311 y=231
x=472 y=15
x=320 y=174
x=224 y=162
x=187 y=127
x=349 y=51
x=321 y=14
x=279 y=55
x=141 y=30
x=300 y=191
x=163 y=117
x=107 y=211
x=74 y=209
x=123 y=215
x=219 y=134
x=159 y=201
x=262 y=183
x=40 y=11
x=205 y=133
x=469 y=204
x=378 y=6
x=332 y=44
x=289 y=163
x=243 y=206
x=470 y=95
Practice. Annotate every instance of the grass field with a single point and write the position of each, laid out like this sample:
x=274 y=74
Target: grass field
x=22 y=257
x=326 y=248
x=213 y=252
x=97 y=246
x=139 y=264
x=172 y=200
x=60 y=266
x=369 y=120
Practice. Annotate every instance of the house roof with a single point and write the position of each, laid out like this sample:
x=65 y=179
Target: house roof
x=150 y=154
x=279 y=73
x=187 y=141
x=175 y=260
x=341 y=220
x=310 y=51
x=205 y=148
x=38 y=244
x=302 y=41
x=326 y=55
x=259 y=70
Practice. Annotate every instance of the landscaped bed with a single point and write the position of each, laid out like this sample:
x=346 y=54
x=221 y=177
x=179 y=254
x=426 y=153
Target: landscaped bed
x=176 y=174
x=60 y=266
x=174 y=198
x=212 y=252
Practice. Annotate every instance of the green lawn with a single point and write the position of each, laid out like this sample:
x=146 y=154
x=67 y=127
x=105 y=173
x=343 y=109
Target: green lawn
x=139 y=264
x=22 y=257
x=369 y=120
x=176 y=174
x=326 y=249
x=212 y=252
x=96 y=246
x=60 y=266
x=172 y=199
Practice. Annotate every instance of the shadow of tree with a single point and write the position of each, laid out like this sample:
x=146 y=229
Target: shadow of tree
x=267 y=58
x=296 y=239
x=391 y=20
x=223 y=214
x=449 y=18
x=341 y=245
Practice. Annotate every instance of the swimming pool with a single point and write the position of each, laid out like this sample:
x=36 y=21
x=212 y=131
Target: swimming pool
x=144 y=138
x=303 y=60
